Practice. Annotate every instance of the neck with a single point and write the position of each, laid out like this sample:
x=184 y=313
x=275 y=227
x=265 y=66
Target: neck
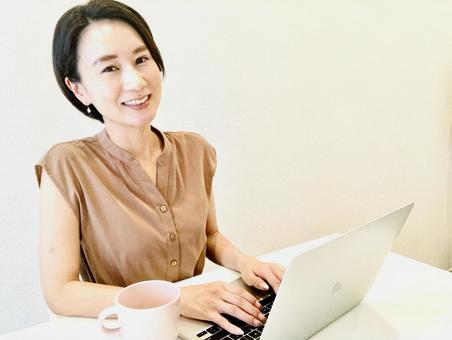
x=141 y=142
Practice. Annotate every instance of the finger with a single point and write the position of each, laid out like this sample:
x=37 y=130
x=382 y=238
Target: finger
x=278 y=270
x=238 y=313
x=268 y=275
x=225 y=324
x=274 y=282
x=252 y=279
x=243 y=304
x=243 y=293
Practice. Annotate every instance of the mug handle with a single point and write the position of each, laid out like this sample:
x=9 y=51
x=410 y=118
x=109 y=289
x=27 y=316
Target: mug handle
x=109 y=311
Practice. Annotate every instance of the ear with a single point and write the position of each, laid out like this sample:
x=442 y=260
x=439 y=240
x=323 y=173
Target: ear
x=78 y=90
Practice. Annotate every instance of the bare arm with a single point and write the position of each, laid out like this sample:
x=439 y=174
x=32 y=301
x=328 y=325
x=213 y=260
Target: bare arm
x=223 y=252
x=219 y=249
x=59 y=256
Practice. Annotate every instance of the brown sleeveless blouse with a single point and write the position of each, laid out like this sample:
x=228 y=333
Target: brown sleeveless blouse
x=130 y=228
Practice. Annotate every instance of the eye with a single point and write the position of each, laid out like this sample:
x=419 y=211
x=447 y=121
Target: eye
x=142 y=59
x=110 y=68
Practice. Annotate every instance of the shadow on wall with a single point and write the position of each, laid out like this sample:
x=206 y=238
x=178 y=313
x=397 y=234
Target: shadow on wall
x=449 y=170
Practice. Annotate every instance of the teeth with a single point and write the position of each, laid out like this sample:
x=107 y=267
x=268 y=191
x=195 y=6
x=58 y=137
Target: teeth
x=136 y=101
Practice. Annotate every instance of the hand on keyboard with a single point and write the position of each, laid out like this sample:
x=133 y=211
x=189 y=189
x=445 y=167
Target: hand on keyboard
x=209 y=301
x=249 y=333
x=256 y=273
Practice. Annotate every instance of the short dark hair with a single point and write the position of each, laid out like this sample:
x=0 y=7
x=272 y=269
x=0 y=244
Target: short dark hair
x=66 y=38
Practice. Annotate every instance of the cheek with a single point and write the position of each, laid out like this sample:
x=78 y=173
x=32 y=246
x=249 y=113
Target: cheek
x=156 y=76
x=107 y=91
x=157 y=82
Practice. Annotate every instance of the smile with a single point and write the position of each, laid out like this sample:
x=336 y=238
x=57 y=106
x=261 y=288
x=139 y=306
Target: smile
x=137 y=102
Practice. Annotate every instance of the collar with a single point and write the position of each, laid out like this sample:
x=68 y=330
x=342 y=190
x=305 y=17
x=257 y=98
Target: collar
x=124 y=155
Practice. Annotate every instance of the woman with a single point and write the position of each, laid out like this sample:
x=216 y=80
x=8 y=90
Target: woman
x=130 y=203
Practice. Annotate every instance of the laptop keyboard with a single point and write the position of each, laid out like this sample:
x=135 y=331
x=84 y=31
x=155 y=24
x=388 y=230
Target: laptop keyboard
x=250 y=332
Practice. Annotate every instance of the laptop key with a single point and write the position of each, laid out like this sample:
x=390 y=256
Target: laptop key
x=268 y=299
x=246 y=329
x=246 y=337
x=239 y=323
x=213 y=329
x=220 y=335
x=254 y=334
x=200 y=334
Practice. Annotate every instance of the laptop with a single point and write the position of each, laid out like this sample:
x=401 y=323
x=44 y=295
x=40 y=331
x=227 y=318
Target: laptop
x=318 y=287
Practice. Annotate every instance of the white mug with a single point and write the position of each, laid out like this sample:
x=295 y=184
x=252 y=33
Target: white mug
x=146 y=310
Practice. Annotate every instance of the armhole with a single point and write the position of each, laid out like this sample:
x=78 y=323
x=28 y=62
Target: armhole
x=212 y=154
x=38 y=171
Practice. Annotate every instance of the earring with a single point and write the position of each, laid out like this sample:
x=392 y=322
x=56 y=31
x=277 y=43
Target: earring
x=88 y=109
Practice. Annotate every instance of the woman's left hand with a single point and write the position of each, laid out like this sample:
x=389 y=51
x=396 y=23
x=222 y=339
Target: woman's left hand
x=256 y=273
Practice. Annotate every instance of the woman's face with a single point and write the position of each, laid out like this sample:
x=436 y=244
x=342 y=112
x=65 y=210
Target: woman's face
x=117 y=74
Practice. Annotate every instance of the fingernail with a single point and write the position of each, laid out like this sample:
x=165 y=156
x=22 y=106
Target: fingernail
x=262 y=317
x=238 y=331
x=258 y=305
x=264 y=286
x=257 y=323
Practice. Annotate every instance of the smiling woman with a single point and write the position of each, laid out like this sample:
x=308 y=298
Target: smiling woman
x=120 y=77
x=131 y=203
x=66 y=49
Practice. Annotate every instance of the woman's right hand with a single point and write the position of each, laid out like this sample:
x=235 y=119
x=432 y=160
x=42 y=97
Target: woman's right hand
x=209 y=301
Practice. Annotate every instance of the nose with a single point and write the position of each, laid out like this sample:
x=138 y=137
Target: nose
x=132 y=79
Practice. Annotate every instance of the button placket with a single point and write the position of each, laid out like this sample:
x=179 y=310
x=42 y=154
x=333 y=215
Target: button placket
x=173 y=244
x=156 y=193
x=164 y=185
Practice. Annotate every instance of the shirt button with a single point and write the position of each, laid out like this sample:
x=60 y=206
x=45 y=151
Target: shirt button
x=173 y=263
x=163 y=208
x=172 y=236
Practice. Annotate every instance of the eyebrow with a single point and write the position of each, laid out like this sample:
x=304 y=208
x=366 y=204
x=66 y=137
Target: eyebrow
x=114 y=56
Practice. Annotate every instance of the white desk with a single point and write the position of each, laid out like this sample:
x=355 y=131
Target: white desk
x=409 y=301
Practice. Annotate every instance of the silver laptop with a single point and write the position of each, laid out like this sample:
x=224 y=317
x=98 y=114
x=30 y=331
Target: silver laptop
x=319 y=285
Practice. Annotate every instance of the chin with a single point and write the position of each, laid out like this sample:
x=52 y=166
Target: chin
x=141 y=120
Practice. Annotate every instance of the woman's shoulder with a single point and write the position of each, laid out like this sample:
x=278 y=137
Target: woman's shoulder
x=187 y=139
x=69 y=150
x=193 y=148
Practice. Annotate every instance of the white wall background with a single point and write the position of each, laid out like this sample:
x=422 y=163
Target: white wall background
x=324 y=114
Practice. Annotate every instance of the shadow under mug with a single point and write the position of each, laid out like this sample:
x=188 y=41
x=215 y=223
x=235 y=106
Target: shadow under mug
x=146 y=310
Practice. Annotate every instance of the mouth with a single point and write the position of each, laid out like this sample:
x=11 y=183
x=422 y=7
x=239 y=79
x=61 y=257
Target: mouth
x=138 y=102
